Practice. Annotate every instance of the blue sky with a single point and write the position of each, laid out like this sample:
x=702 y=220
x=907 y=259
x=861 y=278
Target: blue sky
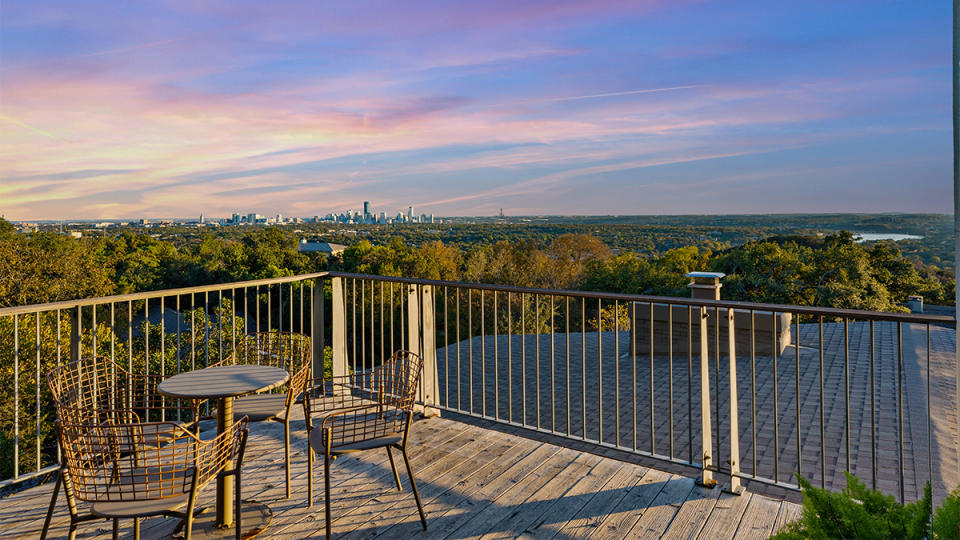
x=544 y=107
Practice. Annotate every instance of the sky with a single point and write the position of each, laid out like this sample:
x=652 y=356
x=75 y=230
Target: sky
x=172 y=109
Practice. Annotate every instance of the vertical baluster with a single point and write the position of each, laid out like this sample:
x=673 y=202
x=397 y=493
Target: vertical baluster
x=566 y=319
x=599 y=370
x=206 y=325
x=16 y=395
x=670 y=371
x=446 y=341
x=470 y=350
x=536 y=333
x=583 y=364
x=653 y=424
x=509 y=357
x=163 y=356
x=717 y=459
x=796 y=350
x=363 y=330
x=774 y=353
x=523 y=359
x=483 y=357
x=873 y=408
x=553 y=371
x=37 y=389
x=753 y=387
x=930 y=426
x=689 y=382
x=616 y=364
x=633 y=367
x=823 y=446
x=846 y=388
x=496 y=360
x=900 y=410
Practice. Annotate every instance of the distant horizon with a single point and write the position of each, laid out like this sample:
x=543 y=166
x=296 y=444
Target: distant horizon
x=506 y=217
x=460 y=108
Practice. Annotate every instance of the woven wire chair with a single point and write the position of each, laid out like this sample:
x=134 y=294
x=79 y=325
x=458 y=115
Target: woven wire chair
x=98 y=383
x=363 y=411
x=118 y=470
x=98 y=392
x=290 y=351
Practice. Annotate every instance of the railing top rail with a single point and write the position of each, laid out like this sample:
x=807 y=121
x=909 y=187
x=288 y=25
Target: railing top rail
x=147 y=295
x=918 y=318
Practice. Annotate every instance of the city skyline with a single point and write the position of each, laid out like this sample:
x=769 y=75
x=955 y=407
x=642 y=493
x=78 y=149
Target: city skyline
x=648 y=107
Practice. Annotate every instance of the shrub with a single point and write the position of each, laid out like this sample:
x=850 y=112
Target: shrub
x=859 y=512
x=946 y=521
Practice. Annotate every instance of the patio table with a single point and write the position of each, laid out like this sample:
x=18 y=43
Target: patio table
x=224 y=383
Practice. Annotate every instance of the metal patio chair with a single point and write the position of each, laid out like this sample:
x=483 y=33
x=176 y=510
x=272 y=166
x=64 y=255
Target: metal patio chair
x=98 y=392
x=363 y=411
x=122 y=473
x=286 y=350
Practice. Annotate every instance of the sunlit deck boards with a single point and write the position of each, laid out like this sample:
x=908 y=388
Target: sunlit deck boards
x=475 y=482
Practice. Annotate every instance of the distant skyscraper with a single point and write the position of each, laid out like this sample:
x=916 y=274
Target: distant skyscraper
x=410 y=213
x=235 y=219
x=366 y=210
x=201 y=218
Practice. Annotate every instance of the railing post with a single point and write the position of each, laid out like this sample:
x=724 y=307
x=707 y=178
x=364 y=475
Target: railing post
x=75 y=334
x=318 y=337
x=706 y=428
x=338 y=307
x=735 y=486
x=421 y=338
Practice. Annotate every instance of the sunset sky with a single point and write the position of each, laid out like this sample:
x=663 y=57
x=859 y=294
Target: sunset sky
x=169 y=109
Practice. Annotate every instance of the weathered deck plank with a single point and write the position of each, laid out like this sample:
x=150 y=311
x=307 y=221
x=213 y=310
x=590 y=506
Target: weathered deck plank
x=725 y=518
x=758 y=519
x=474 y=482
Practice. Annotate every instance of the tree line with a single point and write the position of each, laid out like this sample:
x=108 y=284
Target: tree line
x=832 y=270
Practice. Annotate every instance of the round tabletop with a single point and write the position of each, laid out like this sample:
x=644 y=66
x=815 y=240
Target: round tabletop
x=223 y=381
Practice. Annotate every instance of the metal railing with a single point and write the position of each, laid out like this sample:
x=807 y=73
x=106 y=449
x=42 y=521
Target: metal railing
x=741 y=391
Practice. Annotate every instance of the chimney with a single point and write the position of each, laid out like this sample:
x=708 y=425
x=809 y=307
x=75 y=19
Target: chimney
x=705 y=285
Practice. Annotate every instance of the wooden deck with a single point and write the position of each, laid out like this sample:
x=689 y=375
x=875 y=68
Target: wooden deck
x=475 y=482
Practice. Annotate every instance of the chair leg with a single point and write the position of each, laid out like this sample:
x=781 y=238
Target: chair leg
x=286 y=452
x=136 y=529
x=72 y=535
x=237 y=502
x=53 y=504
x=191 y=503
x=396 y=475
x=413 y=484
x=116 y=528
x=309 y=475
x=326 y=489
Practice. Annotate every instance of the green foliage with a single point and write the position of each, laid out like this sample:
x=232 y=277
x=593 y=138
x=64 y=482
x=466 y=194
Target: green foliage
x=946 y=520
x=857 y=512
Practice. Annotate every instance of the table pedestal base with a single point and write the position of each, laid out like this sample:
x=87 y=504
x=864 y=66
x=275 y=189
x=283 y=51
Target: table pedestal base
x=256 y=517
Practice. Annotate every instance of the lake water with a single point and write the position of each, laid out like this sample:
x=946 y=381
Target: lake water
x=873 y=237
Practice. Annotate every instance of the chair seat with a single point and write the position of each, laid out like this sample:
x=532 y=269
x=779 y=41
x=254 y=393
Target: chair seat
x=149 y=507
x=259 y=407
x=316 y=442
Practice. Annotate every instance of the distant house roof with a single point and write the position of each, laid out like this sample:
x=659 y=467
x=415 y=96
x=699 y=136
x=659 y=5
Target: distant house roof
x=322 y=247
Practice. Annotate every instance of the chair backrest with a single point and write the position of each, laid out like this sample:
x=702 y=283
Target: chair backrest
x=290 y=351
x=90 y=384
x=397 y=380
x=99 y=384
x=285 y=350
x=111 y=461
